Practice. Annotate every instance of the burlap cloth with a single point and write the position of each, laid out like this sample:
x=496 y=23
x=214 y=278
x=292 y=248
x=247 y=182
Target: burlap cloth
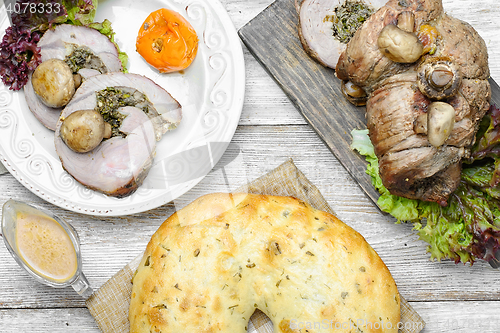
x=109 y=305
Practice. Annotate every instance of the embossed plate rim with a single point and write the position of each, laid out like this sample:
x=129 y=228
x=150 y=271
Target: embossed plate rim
x=211 y=91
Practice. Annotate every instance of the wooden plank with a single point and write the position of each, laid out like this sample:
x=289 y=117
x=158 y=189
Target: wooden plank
x=314 y=90
x=47 y=320
x=440 y=317
x=459 y=317
x=272 y=38
x=270 y=108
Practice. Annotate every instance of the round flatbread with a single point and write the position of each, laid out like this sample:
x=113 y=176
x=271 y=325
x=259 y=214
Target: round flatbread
x=213 y=263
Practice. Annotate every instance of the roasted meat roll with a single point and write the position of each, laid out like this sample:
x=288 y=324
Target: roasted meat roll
x=83 y=51
x=138 y=113
x=425 y=75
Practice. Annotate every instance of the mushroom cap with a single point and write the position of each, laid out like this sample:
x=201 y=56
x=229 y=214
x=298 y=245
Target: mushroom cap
x=353 y=93
x=399 y=45
x=439 y=78
x=83 y=130
x=440 y=122
x=53 y=82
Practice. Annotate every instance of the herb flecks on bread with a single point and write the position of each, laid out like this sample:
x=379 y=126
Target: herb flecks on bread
x=213 y=263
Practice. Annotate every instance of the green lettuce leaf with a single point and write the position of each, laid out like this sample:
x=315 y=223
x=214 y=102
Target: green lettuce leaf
x=106 y=29
x=468 y=228
x=80 y=12
x=402 y=209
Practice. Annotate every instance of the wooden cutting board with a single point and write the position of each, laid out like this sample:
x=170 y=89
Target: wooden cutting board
x=273 y=39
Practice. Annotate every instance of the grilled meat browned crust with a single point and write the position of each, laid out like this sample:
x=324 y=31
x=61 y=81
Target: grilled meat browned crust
x=398 y=106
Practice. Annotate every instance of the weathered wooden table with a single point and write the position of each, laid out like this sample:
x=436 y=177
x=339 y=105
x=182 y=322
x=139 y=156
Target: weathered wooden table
x=449 y=297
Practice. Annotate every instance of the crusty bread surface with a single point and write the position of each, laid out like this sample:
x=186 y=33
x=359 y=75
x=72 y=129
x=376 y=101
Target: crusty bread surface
x=213 y=263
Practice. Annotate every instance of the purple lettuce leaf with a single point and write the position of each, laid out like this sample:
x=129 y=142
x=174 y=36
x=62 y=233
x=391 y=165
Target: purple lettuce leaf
x=19 y=54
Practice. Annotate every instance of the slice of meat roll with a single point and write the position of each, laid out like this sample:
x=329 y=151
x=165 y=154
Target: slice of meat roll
x=137 y=113
x=326 y=26
x=84 y=50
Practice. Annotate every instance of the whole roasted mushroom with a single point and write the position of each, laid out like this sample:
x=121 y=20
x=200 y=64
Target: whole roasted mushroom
x=399 y=45
x=83 y=130
x=440 y=122
x=53 y=82
x=353 y=93
x=406 y=21
x=439 y=78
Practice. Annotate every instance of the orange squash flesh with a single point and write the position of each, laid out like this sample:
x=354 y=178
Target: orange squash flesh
x=167 y=41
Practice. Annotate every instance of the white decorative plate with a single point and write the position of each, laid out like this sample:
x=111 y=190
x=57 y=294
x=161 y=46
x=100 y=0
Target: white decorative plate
x=211 y=92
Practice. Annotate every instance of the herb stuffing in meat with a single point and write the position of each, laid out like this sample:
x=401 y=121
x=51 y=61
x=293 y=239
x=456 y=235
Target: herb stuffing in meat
x=326 y=26
x=348 y=18
x=83 y=57
x=109 y=100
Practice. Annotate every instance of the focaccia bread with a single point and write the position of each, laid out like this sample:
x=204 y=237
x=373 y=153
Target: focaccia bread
x=213 y=263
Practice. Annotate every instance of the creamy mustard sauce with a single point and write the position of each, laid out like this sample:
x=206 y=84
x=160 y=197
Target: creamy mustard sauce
x=45 y=247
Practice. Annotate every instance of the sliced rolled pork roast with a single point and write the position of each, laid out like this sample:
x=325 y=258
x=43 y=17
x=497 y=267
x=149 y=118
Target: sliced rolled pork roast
x=326 y=26
x=425 y=74
x=138 y=113
x=86 y=51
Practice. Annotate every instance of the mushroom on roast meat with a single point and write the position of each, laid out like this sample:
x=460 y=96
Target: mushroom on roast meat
x=426 y=78
x=440 y=122
x=354 y=94
x=399 y=45
x=439 y=78
x=53 y=82
x=83 y=130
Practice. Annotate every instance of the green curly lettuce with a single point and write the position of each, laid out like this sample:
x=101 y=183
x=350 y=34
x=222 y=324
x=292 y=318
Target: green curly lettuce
x=80 y=12
x=106 y=29
x=468 y=228
x=402 y=209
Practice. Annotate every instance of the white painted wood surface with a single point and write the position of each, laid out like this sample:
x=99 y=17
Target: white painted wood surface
x=449 y=297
